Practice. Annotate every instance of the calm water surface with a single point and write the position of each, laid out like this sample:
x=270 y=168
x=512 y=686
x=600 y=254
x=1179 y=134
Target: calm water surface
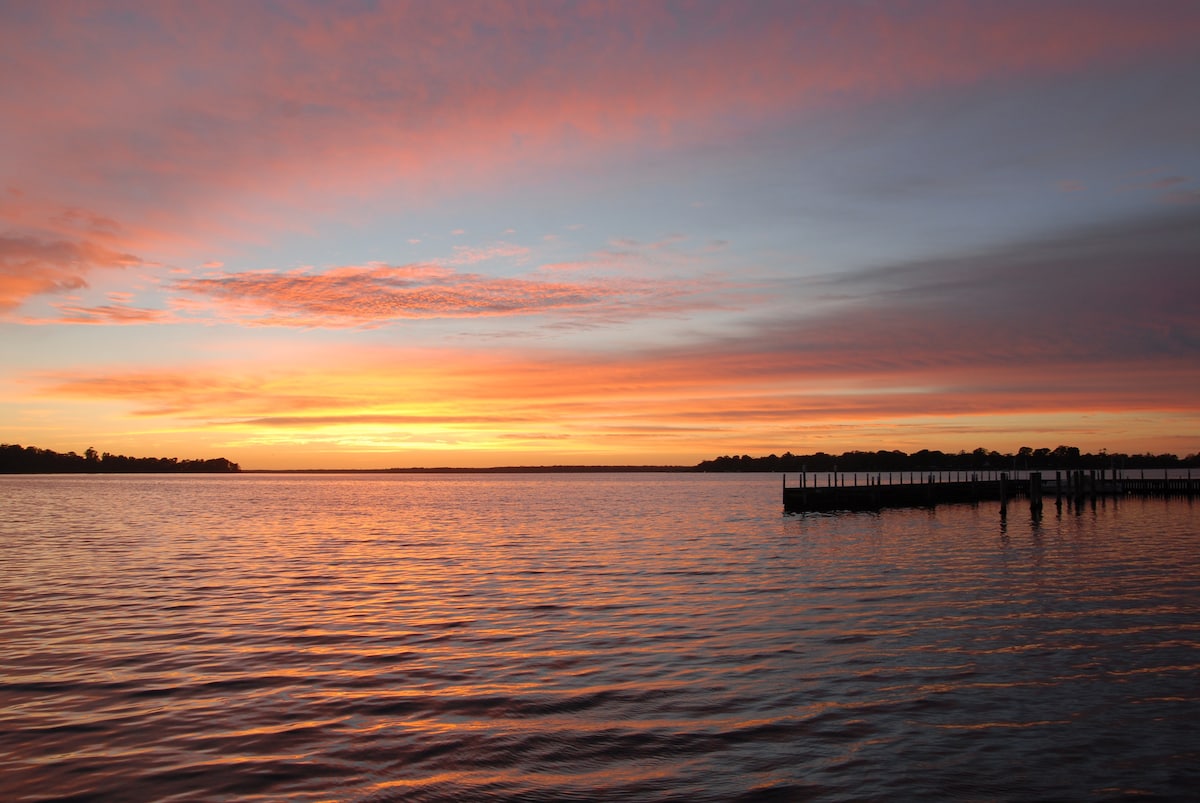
x=585 y=637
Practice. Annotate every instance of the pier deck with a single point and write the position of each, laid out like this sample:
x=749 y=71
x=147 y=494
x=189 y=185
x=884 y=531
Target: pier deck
x=878 y=490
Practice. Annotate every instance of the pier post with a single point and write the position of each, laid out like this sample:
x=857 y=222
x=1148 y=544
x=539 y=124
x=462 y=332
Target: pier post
x=935 y=487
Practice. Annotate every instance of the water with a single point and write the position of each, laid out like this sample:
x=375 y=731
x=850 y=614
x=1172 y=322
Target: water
x=585 y=637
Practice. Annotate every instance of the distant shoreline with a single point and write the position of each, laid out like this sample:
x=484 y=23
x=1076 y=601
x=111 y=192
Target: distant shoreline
x=15 y=459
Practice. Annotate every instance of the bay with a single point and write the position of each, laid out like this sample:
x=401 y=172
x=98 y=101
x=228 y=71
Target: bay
x=585 y=637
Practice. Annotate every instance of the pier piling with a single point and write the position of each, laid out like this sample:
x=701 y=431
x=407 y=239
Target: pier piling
x=929 y=488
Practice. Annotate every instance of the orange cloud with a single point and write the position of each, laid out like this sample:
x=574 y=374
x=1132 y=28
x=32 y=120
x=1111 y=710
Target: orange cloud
x=31 y=266
x=49 y=249
x=668 y=399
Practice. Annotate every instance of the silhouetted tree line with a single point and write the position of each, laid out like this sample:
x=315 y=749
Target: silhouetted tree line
x=15 y=459
x=1063 y=457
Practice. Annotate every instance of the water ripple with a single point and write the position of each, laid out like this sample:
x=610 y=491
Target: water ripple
x=585 y=638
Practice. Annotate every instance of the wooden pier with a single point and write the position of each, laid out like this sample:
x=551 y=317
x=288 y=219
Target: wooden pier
x=831 y=491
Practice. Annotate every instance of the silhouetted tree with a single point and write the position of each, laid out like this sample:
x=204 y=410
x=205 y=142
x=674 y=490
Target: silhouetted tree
x=1064 y=457
x=15 y=459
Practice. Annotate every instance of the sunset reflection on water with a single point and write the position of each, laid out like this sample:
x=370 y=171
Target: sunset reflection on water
x=539 y=637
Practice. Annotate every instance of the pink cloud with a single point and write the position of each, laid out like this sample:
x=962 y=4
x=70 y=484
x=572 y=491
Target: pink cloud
x=108 y=314
x=378 y=293
x=194 y=110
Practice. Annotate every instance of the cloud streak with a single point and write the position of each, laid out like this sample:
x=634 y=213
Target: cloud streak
x=376 y=294
x=111 y=314
x=1123 y=291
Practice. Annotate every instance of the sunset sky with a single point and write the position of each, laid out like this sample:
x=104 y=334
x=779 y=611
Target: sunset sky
x=374 y=234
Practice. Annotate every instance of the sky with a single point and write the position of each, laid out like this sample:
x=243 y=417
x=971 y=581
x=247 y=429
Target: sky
x=393 y=234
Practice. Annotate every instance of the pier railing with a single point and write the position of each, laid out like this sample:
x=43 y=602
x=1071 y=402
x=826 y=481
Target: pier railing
x=828 y=491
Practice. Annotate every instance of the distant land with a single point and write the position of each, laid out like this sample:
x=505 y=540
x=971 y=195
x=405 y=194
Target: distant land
x=16 y=459
x=1065 y=457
